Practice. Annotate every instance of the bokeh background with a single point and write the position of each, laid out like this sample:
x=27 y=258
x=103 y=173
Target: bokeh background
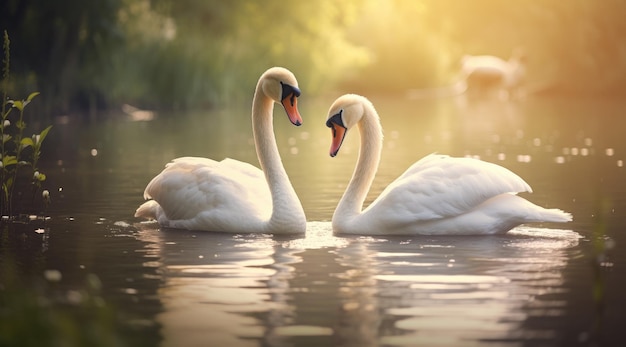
x=189 y=54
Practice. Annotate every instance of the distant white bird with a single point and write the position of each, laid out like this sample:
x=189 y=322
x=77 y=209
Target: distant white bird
x=136 y=114
x=233 y=196
x=487 y=72
x=438 y=195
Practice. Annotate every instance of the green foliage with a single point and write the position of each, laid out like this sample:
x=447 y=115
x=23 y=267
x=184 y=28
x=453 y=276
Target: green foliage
x=85 y=55
x=202 y=53
x=18 y=152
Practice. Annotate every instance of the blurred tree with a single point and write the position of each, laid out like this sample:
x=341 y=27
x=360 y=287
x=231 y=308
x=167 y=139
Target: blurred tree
x=405 y=53
x=197 y=53
x=212 y=52
x=172 y=54
x=52 y=42
x=308 y=37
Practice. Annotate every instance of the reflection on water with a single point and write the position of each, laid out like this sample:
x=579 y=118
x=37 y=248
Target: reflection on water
x=534 y=286
x=250 y=290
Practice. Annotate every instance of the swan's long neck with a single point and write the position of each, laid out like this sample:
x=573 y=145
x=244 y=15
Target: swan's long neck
x=371 y=133
x=287 y=212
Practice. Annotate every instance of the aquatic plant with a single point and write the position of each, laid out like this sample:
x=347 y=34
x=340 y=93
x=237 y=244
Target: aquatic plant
x=17 y=152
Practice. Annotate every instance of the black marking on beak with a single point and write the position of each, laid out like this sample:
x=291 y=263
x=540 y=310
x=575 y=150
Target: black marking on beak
x=290 y=92
x=337 y=119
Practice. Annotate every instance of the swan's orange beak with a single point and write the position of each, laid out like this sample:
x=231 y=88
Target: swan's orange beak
x=289 y=100
x=290 y=103
x=339 y=133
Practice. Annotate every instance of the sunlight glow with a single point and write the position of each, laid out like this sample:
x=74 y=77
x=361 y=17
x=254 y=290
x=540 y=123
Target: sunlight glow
x=472 y=280
x=303 y=330
x=318 y=235
x=524 y=158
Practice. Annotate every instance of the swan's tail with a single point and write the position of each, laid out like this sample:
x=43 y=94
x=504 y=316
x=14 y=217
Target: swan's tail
x=148 y=210
x=552 y=215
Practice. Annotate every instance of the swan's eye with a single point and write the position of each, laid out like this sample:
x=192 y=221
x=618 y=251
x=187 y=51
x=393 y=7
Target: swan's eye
x=337 y=119
x=290 y=92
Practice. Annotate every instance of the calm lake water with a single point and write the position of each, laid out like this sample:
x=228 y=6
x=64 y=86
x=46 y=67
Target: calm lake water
x=539 y=285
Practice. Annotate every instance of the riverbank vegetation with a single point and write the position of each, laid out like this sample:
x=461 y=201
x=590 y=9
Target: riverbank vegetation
x=166 y=54
x=19 y=153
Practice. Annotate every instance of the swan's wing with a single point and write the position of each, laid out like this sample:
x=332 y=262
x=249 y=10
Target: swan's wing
x=189 y=185
x=439 y=186
x=192 y=163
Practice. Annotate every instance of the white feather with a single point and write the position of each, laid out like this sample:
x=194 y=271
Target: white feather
x=230 y=195
x=436 y=195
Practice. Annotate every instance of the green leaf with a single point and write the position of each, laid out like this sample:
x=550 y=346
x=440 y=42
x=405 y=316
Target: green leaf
x=9 y=160
x=43 y=134
x=6 y=137
x=27 y=141
x=31 y=96
x=6 y=187
x=19 y=105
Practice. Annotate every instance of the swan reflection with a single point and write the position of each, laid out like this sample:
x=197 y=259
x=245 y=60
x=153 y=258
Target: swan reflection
x=251 y=290
x=223 y=289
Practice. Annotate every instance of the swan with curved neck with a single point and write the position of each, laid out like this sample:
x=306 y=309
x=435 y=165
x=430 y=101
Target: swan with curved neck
x=229 y=195
x=438 y=195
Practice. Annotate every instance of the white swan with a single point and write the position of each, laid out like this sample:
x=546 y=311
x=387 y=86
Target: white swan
x=438 y=195
x=233 y=196
x=487 y=72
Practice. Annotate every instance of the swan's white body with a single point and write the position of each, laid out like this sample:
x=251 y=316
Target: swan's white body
x=438 y=195
x=229 y=195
